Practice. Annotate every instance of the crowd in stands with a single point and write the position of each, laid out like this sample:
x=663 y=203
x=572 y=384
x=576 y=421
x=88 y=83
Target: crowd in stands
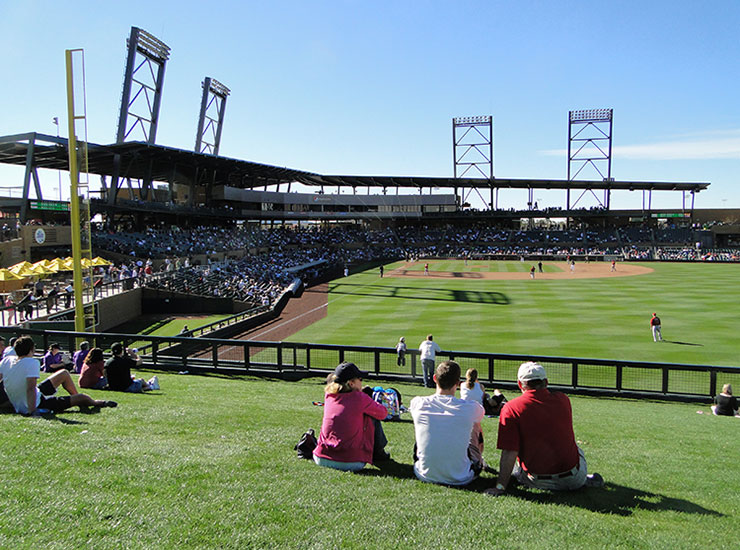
x=272 y=258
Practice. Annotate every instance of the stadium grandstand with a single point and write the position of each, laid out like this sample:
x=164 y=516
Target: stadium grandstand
x=192 y=229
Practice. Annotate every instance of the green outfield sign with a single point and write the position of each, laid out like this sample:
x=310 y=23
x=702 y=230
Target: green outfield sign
x=56 y=206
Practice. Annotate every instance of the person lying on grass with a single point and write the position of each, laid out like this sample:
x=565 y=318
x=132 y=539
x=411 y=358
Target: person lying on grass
x=347 y=432
x=20 y=375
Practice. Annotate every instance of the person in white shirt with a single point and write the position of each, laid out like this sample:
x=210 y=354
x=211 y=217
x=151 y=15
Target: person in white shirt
x=449 y=440
x=20 y=375
x=429 y=350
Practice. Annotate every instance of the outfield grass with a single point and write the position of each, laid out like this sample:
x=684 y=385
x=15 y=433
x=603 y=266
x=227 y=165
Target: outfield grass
x=208 y=463
x=161 y=325
x=600 y=318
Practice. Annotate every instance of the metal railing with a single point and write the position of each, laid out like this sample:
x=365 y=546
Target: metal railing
x=292 y=359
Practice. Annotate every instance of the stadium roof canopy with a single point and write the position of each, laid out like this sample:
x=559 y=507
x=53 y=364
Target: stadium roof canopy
x=139 y=160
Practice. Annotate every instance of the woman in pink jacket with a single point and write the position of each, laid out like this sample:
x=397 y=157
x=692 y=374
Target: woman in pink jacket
x=347 y=432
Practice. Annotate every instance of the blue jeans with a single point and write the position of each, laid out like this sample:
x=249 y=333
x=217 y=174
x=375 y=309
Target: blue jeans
x=344 y=466
x=428 y=372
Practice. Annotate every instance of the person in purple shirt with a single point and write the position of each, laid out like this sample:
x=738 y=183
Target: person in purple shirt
x=53 y=359
x=79 y=356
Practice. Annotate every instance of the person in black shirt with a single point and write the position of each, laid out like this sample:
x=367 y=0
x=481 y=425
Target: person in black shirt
x=725 y=402
x=118 y=371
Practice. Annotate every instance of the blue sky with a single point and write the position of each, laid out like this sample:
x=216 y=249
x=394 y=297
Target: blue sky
x=370 y=88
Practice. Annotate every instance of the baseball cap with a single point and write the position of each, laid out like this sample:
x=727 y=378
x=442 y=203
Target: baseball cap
x=531 y=371
x=347 y=371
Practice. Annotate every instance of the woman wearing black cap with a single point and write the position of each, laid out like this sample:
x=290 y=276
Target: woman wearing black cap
x=347 y=432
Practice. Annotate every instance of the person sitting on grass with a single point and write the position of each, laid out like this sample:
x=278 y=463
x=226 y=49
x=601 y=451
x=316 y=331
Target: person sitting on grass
x=347 y=432
x=118 y=371
x=79 y=357
x=725 y=404
x=53 y=360
x=449 y=440
x=93 y=370
x=20 y=376
x=535 y=435
x=472 y=390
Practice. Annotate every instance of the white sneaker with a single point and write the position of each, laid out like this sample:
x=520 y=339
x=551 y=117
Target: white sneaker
x=154 y=383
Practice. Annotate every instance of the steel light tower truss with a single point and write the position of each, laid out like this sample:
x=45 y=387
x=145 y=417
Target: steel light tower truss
x=472 y=149
x=211 y=119
x=141 y=98
x=142 y=86
x=590 y=144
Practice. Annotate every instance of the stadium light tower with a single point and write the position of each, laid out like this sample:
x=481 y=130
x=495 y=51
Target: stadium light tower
x=590 y=144
x=141 y=97
x=211 y=119
x=472 y=150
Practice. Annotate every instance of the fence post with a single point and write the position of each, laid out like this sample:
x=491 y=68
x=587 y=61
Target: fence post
x=665 y=379
x=246 y=357
x=155 y=349
x=215 y=356
x=574 y=374
x=712 y=383
x=377 y=362
x=341 y=356
x=308 y=357
x=280 y=356
x=490 y=370
x=413 y=366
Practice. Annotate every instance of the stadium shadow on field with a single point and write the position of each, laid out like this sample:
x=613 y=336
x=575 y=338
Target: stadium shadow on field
x=615 y=499
x=415 y=293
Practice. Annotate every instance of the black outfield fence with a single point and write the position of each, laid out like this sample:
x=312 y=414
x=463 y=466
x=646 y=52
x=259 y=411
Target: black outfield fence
x=293 y=360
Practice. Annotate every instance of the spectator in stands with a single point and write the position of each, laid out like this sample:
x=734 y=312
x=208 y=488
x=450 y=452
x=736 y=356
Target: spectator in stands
x=69 y=292
x=725 y=404
x=401 y=352
x=21 y=374
x=53 y=360
x=347 y=431
x=10 y=310
x=449 y=440
x=429 y=350
x=79 y=357
x=92 y=374
x=118 y=371
x=536 y=439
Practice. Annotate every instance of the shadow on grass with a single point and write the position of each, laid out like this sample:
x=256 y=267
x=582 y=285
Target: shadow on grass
x=682 y=343
x=433 y=294
x=614 y=499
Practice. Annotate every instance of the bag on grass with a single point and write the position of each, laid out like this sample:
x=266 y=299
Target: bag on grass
x=306 y=444
x=390 y=398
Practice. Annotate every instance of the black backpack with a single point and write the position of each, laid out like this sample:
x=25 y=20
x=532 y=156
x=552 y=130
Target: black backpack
x=306 y=445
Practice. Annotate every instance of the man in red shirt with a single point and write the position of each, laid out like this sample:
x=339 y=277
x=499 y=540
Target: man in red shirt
x=536 y=439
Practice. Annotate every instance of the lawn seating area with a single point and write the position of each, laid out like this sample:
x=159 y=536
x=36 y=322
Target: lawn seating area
x=208 y=462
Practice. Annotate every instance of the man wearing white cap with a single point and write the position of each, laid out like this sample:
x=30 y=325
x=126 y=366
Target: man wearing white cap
x=536 y=439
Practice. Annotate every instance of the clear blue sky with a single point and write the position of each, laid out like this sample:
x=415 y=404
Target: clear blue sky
x=370 y=88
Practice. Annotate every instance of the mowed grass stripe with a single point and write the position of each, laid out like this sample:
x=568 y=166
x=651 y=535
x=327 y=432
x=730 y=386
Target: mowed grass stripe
x=600 y=318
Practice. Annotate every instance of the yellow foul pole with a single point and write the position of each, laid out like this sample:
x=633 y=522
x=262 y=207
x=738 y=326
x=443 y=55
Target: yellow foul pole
x=82 y=275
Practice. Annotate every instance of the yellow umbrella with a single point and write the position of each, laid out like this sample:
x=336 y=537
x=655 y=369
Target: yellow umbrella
x=20 y=266
x=57 y=263
x=98 y=261
x=26 y=271
x=10 y=281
